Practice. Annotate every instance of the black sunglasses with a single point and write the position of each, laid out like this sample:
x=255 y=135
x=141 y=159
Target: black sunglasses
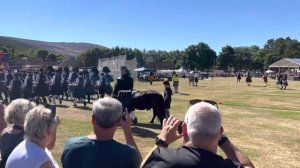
x=194 y=101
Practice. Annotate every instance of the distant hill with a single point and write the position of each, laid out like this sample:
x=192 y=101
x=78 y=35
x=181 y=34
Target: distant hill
x=64 y=48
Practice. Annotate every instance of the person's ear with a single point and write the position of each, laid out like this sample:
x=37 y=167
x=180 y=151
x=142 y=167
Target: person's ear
x=94 y=122
x=184 y=131
x=221 y=131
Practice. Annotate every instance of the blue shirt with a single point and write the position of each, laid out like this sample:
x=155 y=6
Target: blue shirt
x=83 y=152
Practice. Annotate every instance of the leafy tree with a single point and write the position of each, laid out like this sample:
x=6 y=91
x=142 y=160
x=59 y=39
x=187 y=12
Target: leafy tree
x=276 y=49
x=200 y=56
x=226 y=58
x=52 y=57
x=245 y=57
x=42 y=54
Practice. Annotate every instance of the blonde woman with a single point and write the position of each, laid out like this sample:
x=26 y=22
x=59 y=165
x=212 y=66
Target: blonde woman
x=12 y=135
x=40 y=135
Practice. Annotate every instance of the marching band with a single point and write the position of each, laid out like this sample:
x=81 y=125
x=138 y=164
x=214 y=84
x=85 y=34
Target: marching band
x=53 y=84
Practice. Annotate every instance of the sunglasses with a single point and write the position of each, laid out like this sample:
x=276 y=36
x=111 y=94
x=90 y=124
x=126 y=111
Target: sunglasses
x=194 y=101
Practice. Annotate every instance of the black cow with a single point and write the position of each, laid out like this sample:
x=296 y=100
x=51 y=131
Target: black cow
x=145 y=100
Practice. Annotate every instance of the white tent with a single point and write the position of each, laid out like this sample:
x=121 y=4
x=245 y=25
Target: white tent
x=269 y=71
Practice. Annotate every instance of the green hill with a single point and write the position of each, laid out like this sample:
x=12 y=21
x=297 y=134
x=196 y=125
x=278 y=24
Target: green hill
x=64 y=48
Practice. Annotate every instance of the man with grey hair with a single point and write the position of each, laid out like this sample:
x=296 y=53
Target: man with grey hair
x=202 y=133
x=100 y=149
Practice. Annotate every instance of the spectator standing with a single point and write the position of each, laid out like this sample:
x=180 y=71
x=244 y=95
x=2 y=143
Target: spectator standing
x=191 y=79
x=100 y=149
x=167 y=97
x=175 y=79
x=151 y=77
x=40 y=135
x=202 y=133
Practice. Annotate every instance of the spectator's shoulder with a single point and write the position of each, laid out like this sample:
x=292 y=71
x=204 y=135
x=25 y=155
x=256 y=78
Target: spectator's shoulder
x=125 y=147
x=76 y=142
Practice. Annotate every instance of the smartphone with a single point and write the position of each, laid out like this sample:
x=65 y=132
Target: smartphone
x=52 y=107
x=124 y=114
x=179 y=129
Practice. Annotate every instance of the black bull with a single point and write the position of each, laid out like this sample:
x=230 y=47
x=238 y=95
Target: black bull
x=146 y=100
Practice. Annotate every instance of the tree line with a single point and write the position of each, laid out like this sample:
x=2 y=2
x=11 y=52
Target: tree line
x=19 y=53
x=202 y=57
x=199 y=56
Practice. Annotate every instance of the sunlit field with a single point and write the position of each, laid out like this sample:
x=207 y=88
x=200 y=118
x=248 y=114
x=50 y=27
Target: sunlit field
x=264 y=122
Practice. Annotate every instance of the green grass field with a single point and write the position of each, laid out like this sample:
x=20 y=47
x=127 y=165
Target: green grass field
x=264 y=122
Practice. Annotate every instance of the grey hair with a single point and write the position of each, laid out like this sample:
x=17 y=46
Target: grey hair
x=37 y=121
x=16 y=111
x=107 y=112
x=203 y=120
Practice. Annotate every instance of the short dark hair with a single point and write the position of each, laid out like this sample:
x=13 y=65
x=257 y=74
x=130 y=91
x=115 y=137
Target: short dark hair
x=166 y=83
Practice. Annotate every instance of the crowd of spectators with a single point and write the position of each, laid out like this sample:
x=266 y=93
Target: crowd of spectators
x=31 y=130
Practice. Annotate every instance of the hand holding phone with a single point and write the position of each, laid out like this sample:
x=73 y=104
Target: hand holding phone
x=125 y=121
x=179 y=128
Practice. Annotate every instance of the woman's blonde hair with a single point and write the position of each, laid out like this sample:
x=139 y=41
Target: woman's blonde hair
x=37 y=121
x=16 y=111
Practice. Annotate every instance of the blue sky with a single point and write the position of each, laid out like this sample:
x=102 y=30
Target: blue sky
x=152 y=24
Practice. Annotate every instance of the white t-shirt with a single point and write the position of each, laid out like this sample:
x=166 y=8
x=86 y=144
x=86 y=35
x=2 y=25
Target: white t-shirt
x=29 y=155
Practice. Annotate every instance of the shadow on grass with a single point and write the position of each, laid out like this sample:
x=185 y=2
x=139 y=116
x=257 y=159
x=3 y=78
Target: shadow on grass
x=144 y=133
x=184 y=94
x=148 y=125
x=62 y=106
x=84 y=108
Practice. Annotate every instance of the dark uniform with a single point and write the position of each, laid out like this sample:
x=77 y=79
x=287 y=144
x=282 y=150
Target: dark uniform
x=167 y=100
x=284 y=82
x=56 y=88
x=9 y=77
x=2 y=84
x=279 y=79
x=65 y=84
x=79 y=92
x=16 y=89
x=105 y=87
x=88 y=88
x=248 y=78
x=28 y=89
x=124 y=83
x=73 y=77
x=42 y=88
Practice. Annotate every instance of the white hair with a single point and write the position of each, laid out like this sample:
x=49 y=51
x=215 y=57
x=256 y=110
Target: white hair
x=16 y=111
x=37 y=122
x=107 y=112
x=203 y=120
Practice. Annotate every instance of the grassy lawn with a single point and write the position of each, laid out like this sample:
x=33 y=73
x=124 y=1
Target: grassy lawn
x=264 y=122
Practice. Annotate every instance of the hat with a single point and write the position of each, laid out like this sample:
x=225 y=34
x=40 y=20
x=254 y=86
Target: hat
x=105 y=69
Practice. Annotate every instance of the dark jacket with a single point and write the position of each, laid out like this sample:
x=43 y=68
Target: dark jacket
x=124 y=83
x=168 y=97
